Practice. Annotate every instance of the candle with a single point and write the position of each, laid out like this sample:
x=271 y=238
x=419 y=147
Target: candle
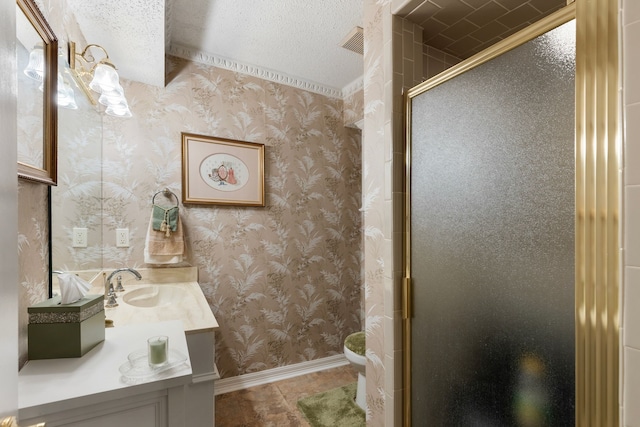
x=158 y=349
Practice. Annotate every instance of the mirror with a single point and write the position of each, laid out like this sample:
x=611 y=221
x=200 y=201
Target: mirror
x=76 y=202
x=36 y=51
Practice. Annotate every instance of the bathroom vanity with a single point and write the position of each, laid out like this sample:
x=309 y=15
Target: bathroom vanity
x=89 y=391
x=164 y=296
x=174 y=294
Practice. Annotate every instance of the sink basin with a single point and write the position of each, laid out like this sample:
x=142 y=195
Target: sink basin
x=154 y=296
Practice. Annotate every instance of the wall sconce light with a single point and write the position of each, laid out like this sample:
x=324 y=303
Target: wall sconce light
x=66 y=95
x=35 y=71
x=35 y=67
x=100 y=76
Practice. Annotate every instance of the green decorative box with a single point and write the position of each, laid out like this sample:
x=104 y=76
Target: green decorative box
x=69 y=330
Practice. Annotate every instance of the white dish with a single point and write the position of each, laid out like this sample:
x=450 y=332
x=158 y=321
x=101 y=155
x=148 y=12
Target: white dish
x=137 y=368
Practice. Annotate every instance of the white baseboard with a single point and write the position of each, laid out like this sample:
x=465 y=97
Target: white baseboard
x=267 y=376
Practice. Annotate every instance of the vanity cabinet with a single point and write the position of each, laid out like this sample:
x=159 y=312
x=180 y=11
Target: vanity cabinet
x=147 y=410
x=147 y=301
x=200 y=393
x=89 y=392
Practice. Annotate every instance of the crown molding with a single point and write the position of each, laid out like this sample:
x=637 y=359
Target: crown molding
x=262 y=73
x=353 y=87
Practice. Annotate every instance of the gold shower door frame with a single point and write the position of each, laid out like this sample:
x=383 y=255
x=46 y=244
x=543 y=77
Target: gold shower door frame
x=597 y=195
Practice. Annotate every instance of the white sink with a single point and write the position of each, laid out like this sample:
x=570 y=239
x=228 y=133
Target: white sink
x=154 y=295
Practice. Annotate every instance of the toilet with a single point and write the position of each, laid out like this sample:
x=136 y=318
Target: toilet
x=354 y=349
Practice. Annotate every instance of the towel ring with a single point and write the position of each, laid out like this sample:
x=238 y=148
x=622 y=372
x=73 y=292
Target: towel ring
x=167 y=193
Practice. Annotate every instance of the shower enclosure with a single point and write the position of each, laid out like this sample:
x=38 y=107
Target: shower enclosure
x=491 y=250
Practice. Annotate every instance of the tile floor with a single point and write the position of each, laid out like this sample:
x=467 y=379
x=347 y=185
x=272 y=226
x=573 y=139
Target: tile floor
x=274 y=404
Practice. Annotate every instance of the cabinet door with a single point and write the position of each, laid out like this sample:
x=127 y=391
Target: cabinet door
x=137 y=411
x=142 y=416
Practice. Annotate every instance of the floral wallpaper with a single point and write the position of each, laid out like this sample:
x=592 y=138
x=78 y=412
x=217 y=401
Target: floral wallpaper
x=385 y=37
x=373 y=171
x=284 y=280
x=354 y=108
x=33 y=254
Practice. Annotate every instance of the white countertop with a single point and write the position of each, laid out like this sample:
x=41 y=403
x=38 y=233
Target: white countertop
x=189 y=305
x=95 y=376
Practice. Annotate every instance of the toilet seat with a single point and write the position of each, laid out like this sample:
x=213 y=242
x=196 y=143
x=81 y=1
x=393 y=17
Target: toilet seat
x=356 y=343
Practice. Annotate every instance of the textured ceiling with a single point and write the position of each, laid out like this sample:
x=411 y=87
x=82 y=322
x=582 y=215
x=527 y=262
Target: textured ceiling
x=300 y=38
x=463 y=28
x=293 y=40
x=132 y=32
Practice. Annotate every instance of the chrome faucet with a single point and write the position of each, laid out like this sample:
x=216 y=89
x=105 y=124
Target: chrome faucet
x=109 y=293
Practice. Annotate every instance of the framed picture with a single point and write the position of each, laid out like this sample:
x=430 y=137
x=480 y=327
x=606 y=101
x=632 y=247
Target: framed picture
x=222 y=171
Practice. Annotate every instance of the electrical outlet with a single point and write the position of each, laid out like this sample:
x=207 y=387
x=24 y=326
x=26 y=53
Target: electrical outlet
x=79 y=237
x=122 y=237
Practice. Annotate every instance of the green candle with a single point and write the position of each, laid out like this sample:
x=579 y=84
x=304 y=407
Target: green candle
x=158 y=347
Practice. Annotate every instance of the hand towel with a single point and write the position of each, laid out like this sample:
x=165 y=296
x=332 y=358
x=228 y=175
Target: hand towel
x=162 y=247
x=165 y=219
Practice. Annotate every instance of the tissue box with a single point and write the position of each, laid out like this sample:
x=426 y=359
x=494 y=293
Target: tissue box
x=69 y=330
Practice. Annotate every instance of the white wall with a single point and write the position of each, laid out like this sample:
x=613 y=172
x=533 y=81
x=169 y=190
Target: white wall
x=631 y=214
x=9 y=214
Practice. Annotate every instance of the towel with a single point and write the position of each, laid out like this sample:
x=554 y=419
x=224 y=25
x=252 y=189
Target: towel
x=165 y=219
x=162 y=247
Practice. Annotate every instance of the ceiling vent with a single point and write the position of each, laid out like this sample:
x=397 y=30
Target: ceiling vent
x=354 y=41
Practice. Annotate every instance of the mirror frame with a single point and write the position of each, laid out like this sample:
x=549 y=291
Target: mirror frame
x=47 y=172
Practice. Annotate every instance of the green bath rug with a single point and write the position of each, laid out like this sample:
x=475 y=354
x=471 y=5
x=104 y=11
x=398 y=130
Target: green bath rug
x=333 y=408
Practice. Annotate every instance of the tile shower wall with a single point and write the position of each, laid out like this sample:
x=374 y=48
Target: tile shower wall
x=630 y=366
x=283 y=280
x=436 y=61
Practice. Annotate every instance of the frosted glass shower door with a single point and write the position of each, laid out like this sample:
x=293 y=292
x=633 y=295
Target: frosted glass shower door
x=492 y=241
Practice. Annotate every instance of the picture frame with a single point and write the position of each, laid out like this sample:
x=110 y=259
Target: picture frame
x=220 y=171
